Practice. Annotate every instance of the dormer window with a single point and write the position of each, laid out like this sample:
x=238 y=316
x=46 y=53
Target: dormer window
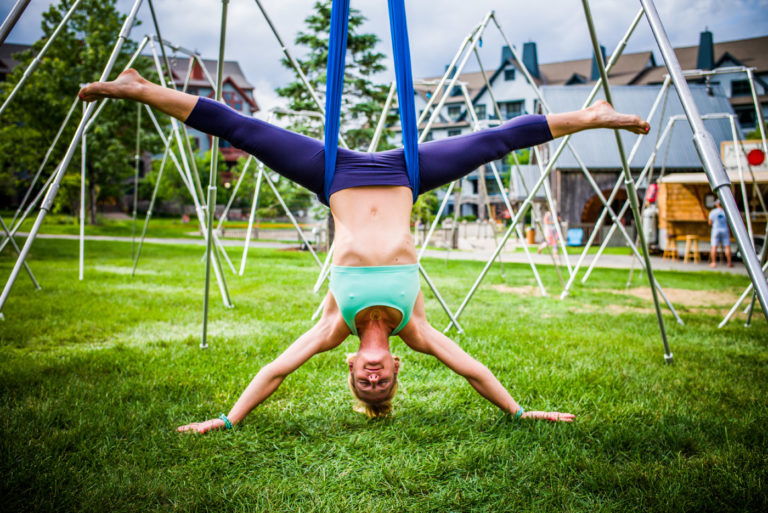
x=509 y=74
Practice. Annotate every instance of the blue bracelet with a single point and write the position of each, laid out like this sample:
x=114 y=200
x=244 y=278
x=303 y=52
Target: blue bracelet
x=519 y=413
x=227 y=422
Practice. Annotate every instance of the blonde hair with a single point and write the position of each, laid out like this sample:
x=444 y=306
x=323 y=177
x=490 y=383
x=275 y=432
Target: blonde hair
x=377 y=410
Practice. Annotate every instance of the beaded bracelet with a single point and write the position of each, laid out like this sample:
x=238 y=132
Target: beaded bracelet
x=519 y=413
x=227 y=422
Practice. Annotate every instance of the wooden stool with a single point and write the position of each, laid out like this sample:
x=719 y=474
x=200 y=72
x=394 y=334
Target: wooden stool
x=670 y=250
x=691 y=249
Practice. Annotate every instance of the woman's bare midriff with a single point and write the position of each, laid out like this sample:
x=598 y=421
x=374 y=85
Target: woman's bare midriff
x=373 y=226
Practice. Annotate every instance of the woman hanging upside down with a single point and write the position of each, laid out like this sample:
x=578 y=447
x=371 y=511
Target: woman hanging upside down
x=374 y=285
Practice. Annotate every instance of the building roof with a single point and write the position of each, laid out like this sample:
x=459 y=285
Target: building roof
x=232 y=71
x=752 y=53
x=626 y=71
x=597 y=148
x=7 y=50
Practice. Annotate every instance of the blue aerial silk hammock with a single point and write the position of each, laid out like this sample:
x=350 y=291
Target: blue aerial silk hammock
x=337 y=49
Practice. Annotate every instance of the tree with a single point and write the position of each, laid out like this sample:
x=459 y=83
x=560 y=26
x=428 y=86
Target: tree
x=362 y=100
x=29 y=125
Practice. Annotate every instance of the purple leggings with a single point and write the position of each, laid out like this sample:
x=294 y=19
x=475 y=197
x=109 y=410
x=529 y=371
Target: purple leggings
x=302 y=159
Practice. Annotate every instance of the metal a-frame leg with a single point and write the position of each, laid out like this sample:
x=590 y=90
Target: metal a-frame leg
x=59 y=174
x=12 y=18
x=709 y=155
x=629 y=184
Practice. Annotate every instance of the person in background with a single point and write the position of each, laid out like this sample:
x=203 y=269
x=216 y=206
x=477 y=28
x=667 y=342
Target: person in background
x=721 y=235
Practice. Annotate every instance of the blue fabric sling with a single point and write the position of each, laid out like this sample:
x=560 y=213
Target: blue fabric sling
x=337 y=49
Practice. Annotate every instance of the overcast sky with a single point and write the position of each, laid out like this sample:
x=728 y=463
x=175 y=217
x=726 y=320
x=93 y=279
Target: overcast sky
x=436 y=29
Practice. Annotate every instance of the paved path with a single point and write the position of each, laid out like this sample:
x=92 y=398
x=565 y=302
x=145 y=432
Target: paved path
x=605 y=261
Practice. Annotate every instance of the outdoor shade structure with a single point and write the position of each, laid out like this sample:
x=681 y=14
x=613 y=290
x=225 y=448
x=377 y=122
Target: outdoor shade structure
x=205 y=200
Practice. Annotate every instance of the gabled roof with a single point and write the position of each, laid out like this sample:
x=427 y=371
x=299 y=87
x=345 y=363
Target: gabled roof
x=626 y=71
x=232 y=71
x=752 y=53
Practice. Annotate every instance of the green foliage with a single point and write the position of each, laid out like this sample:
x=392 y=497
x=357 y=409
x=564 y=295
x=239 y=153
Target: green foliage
x=523 y=157
x=32 y=119
x=361 y=100
x=755 y=134
x=425 y=208
x=95 y=375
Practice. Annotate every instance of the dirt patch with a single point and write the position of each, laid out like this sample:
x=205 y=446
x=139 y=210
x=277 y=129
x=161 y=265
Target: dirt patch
x=518 y=291
x=685 y=297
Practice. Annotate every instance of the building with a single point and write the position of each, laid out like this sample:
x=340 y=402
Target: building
x=515 y=96
x=7 y=60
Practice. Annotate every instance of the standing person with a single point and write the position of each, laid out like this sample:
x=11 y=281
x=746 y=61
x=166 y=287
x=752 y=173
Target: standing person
x=721 y=235
x=374 y=285
x=550 y=233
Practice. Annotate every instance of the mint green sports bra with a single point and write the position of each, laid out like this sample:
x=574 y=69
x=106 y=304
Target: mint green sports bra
x=358 y=288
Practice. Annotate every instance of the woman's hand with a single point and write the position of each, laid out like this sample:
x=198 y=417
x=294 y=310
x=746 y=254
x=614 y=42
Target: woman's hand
x=203 y=427
x=552 y=416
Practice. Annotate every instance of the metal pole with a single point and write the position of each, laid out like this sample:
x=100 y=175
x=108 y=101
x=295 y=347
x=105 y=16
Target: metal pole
x=520 y=232
x=82 y=201
x=162 y=46
x=136 y=179
x=744 y=199
x=232 y=196
x=629 y=184
x=663 y=92
x=11 y=19
x=296 y=67
x=37 y=176
x=550 y=166
x=16 y=248
x=213 y=176
x=151 y=204
x=435 y=113
x=39 y=57
x=49 y=197
x=260 y=174
x=709 y=155
x=494 y=170
x=454 y=320
x=292 y=218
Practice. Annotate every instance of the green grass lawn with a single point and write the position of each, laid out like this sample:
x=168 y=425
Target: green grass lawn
x=165 y=227
x=96 y=375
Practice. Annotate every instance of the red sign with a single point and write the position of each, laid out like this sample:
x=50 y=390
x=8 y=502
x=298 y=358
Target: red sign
x=755 y=157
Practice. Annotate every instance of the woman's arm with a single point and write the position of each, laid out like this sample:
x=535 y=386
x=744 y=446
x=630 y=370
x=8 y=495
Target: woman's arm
x=420 y=336
x=327 y=334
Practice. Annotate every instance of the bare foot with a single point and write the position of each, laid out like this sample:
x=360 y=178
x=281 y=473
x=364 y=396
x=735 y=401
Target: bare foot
x=127 y=85
x=712 y=264
x=606 y=117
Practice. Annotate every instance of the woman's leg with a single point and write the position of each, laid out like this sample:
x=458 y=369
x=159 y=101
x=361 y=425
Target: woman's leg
x=297 y=157
x=446 y=160
x=132 y=86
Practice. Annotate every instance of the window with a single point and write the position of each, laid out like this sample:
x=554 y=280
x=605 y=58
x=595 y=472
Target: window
x=454 y=111
x=509 y=74
x=511 y=110
x=429 y=137
x=740 y=88
x=233 y=100
x=480 y=111
x=746 y=115
x=454 y=132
